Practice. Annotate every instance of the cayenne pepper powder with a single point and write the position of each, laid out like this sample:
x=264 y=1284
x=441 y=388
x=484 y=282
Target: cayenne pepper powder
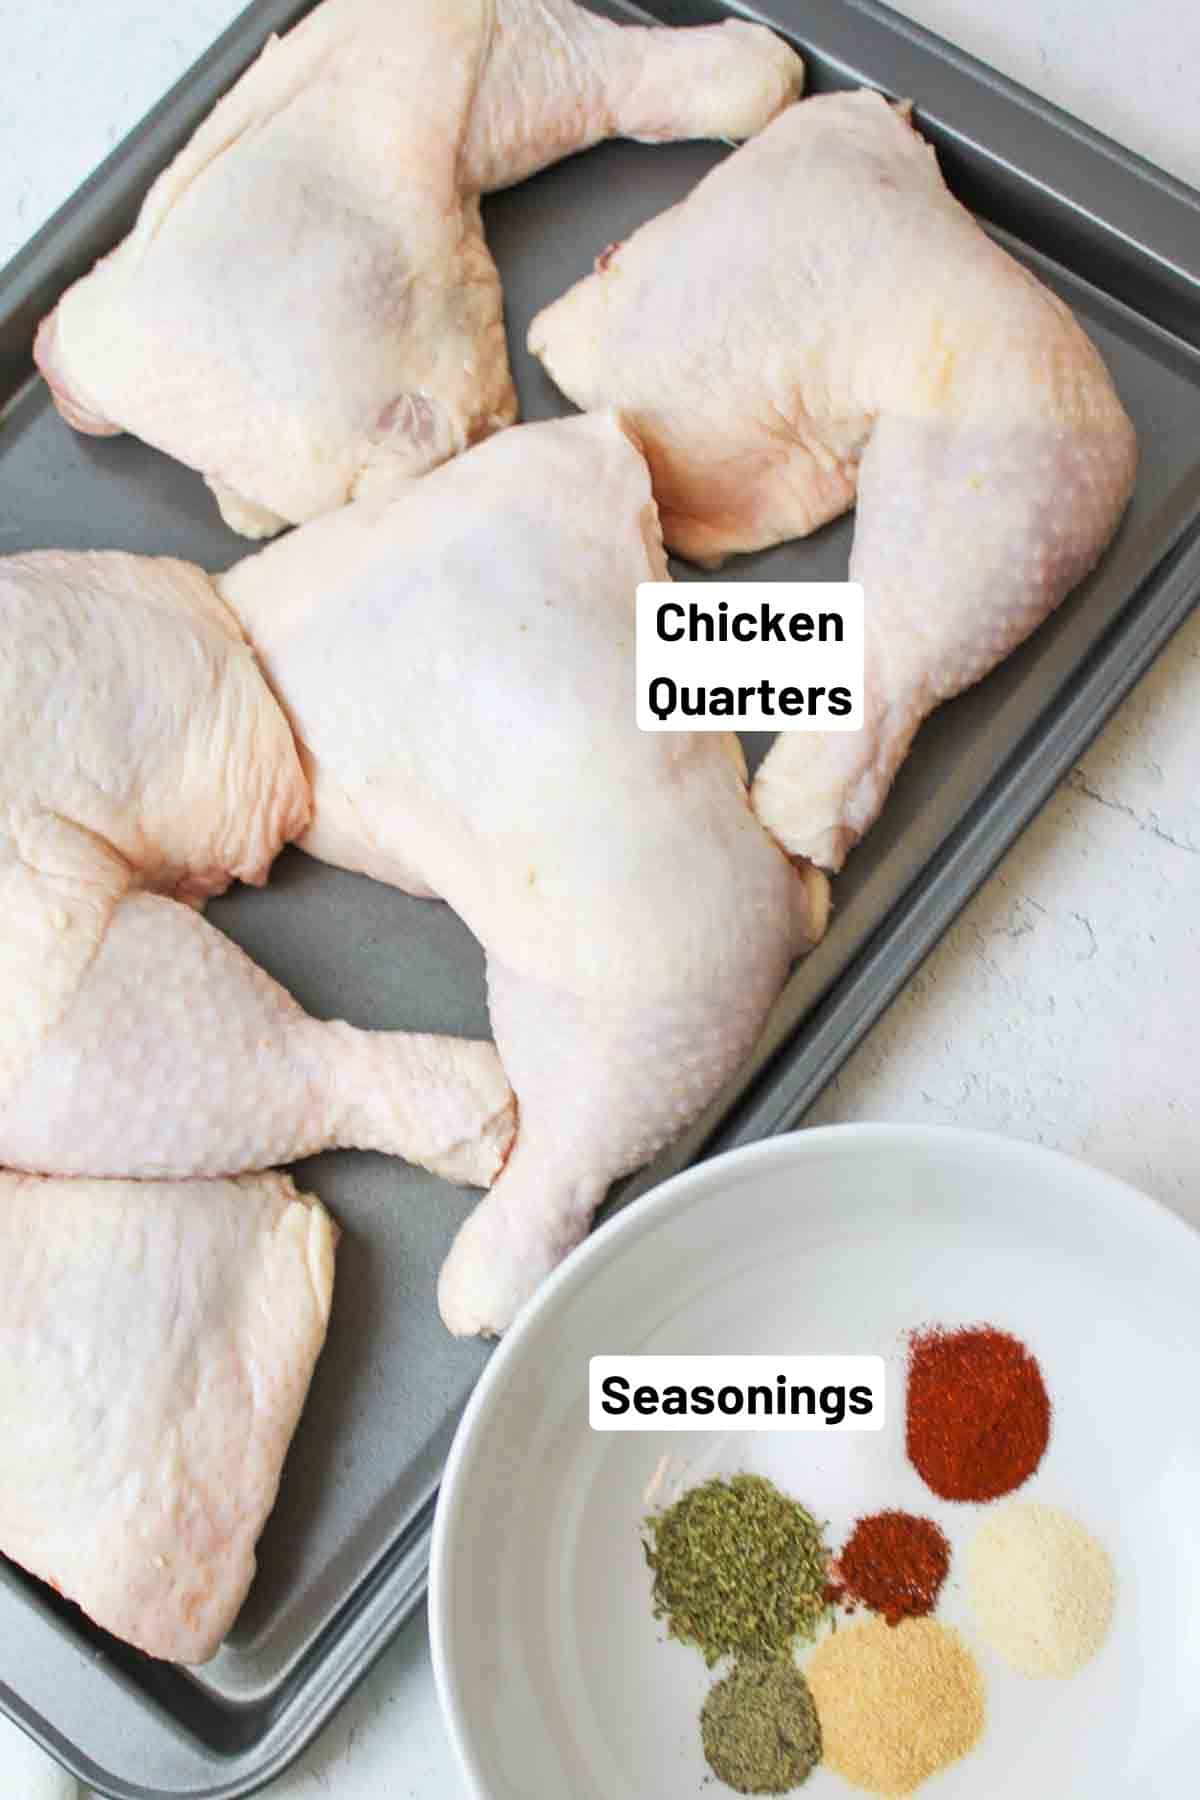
x=978 y=1412
x=895 y=1564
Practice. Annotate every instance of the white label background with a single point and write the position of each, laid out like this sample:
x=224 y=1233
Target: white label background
x=716 y=1372
x=736 y=665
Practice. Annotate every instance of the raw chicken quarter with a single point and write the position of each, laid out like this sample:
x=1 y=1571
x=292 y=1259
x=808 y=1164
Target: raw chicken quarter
x=818 y=321
x=142 y=746
x=156 y=1346
x=457 y=663
x=307 y=302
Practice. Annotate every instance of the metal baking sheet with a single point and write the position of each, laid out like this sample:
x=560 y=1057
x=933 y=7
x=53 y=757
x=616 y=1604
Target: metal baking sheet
x=342 y=1560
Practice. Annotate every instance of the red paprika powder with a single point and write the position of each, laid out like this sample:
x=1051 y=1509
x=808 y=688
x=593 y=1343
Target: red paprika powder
x=978 y=1412
x=893 y=1563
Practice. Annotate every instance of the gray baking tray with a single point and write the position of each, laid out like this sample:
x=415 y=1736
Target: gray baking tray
x=342 y=1561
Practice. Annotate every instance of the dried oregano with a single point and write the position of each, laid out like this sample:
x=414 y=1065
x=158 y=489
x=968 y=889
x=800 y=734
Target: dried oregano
x=739 y=1569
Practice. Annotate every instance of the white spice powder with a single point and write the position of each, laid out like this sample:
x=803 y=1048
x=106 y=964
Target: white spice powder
x=1042 y=1588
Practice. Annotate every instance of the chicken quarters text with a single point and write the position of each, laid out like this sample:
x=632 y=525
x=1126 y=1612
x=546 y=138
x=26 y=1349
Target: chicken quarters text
x=723 y=656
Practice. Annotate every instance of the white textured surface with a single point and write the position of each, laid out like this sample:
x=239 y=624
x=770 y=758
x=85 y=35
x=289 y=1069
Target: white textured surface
x=1062 y=1005
x=26 y=1773
x=76 y=79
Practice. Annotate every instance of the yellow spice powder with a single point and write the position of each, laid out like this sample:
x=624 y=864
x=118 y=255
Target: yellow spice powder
x=896 y=1702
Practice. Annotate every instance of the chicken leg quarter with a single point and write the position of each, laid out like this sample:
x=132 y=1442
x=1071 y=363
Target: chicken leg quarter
x=820 y=319
x=457 y=664
x=140 y=745
x=307 y=298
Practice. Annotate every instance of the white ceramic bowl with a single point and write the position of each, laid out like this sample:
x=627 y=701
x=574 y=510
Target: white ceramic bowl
x=555 y=1680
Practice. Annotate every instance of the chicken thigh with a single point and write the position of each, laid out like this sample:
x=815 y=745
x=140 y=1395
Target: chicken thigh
x=131 y=705
x=457 y=663
x=154 y=1047
x=820 y=319
x=307 y=297
x=157 y=1341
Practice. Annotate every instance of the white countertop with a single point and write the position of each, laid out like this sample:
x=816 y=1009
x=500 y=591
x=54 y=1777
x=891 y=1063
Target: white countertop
x=1062 y=1007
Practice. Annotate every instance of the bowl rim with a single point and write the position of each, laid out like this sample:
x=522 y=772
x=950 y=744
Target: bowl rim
x=1107 y=1193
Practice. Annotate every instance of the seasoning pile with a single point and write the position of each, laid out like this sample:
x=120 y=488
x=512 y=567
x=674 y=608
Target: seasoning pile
x=739 y=1570
x=893 y=1564
x=760 y=1729
x=978 y=1412
x=744 y=1573
x=1042 y=1589
x=896 y=1703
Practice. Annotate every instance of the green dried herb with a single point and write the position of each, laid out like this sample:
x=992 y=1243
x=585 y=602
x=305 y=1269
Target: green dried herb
x=760 y=1729
x=739 y=1569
